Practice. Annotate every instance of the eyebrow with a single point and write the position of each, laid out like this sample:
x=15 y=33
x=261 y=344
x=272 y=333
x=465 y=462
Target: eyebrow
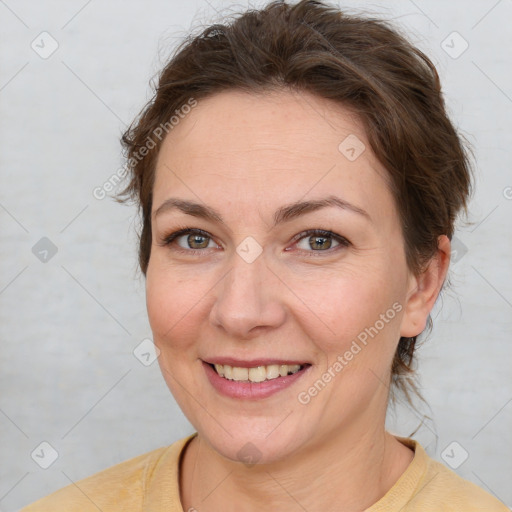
x=283 y=214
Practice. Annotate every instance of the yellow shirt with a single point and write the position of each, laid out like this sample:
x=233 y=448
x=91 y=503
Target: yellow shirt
x=150 y=482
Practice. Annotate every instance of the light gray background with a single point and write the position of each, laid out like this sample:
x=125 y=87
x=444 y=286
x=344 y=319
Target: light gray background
x=68 y=327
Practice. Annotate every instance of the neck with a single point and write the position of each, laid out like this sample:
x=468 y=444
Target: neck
x=362 y=464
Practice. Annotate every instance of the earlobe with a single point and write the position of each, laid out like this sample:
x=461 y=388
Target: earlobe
x=424 y=290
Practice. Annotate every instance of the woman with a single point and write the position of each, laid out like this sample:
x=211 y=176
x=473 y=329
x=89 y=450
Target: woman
x=299 y=181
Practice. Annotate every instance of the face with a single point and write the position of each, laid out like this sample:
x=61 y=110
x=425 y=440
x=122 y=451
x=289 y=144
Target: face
x=257 y=282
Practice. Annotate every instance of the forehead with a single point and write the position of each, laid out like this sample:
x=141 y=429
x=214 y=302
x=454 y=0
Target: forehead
x=259 y=147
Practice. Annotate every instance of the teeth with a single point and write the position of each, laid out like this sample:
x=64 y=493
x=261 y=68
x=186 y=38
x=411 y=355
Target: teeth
x=240 y=373
x=256 y=374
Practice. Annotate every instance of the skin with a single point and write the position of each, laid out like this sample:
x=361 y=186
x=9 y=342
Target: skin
x=246 y=155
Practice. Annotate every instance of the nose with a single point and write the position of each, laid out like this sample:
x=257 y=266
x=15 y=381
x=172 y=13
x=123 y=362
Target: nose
x=248 y=299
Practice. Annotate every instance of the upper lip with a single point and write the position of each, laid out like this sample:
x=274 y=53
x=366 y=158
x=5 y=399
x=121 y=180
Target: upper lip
x=231 y=361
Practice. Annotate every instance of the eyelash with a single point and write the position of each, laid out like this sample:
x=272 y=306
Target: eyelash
x=169 y=239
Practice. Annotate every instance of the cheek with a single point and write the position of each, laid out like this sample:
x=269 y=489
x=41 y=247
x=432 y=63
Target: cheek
x=349 y=304
x=164 y=302
x=158 y=299
x=364 y=321
x=175 y=302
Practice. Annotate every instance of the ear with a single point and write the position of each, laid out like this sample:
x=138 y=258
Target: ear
x=424 y=290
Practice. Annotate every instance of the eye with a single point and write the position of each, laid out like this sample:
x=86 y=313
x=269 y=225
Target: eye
x=194 y=240
x=314 y=241
x=320 y=241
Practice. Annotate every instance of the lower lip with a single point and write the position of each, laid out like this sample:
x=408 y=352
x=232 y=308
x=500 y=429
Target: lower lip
x=250 y=390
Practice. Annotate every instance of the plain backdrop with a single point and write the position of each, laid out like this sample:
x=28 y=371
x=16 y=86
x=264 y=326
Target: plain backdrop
x=72 y=307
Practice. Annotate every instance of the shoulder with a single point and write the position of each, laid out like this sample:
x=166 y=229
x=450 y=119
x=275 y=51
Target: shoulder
x=454 y=493
x=440 y=488
x=428 y=485
x=120 y=487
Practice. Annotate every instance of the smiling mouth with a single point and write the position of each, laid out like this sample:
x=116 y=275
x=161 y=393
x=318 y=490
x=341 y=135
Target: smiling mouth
x=257 y=373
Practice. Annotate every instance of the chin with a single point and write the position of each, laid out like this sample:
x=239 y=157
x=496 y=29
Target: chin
x=251 y=442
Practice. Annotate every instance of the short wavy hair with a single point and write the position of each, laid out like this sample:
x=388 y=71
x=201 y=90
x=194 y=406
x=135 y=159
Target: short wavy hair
x=360 y=62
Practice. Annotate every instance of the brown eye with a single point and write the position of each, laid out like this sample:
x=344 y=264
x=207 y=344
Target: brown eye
x=193 y=239
x=319 y=242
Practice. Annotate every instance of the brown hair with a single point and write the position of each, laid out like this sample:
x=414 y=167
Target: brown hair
x=360 y=62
